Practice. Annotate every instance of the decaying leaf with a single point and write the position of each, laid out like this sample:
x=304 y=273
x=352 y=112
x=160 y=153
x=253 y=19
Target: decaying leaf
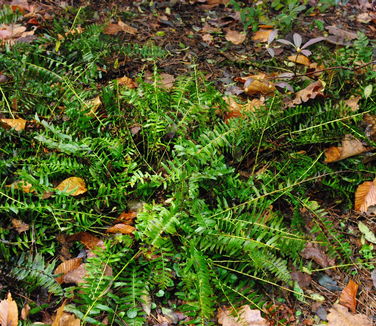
x=257 y=84
x=16 y=124
x=25 y=312
x=340 y=316
x=365 y=197
x=19 y=225
x=262 y=35
x=22 y=185
x=126 y=81
x=235 y=37
x=245 y=317
x=312 y=251
x=8 y=312
x=88 y=240
x=11 y=33
x=92 y=105
x=350 y=147
x=64 y=319
x=76 y=275
x=167 y=80
x=368 y=234
x=73 y=186
x=348 y=296
x=310 y=92
x=113 y=29
x=127 y=217
x=353 y=102
x=236 y=110
x=121 y=228
x=301 y=59
x=370 y=124
x=66 y=267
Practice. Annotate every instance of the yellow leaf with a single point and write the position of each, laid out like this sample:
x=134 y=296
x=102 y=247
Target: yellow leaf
x=16 y=124
x=74 y=186
x=93 y=105
x=365 y=196
x=254 y=86
x=8 y=312
x=23 y=185
x=262 y=35
x=302 y=59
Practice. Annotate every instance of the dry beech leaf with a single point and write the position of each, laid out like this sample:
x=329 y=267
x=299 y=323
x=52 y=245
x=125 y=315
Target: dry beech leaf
x=340 y=316
x=350 y=147
x=8 y=312
x=22 y=185
x=126 y=81
x=235 y=37
x=126 y=28
x=66 y=267
x=236 y=110
x=308 y=93
x=246 y=317
x=88 y=240
x=64 y=319
x=19 y=225
x=258 y=84
x=121 y=228
x=16 y=124
x=73 y=186
x=348 y=296
x=365 y=197
x=262 y=35
x=301 y=59
x=76 y=275
x=312 y=251
x=127 y=217
x=353 y=102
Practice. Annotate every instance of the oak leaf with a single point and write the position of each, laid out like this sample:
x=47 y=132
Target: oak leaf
x=340 y=316
x=350 y=147
x=73 y=186
x=8 y=312
x=365 y=197
x=66 y=267
x=348 y=296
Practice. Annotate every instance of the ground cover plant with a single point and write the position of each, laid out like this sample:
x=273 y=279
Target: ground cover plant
x=151 y=176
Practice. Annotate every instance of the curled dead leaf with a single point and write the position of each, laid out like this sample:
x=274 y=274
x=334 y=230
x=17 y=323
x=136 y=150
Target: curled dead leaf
x=16 y=124
x=66 y=267
x=127 y=217
x=301 y=59
x=350 y=147
x=348 y=296
x=63 y=318
x=365 y=197
x=73 y=186
x=8 y=312
x=92 y=106
x=121 y=228
x=25 y=312
x=310 y=92
x=235 y=37
x=258 y=84
x=340 y=316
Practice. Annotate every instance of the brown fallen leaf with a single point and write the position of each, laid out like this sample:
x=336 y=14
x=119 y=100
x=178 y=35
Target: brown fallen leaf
x=92 y=106
x=22 y=185
x=10 y=33
x=121 y=228
x=261 y=35
x=258 y=84
x=16 y=124
x=8 y=312
x=126 y=81
x=25 y=311
x=237 y=110
x=73 y=186
x=245 y=317
x=304 y=280
x=167 y=80
x=76 y=275
x=127 y=217
x=301 y=59
x=365 y=197
x=112 y=29
x=340 y=316
x=312 y=251
x=310 y=92
x=63 y=318
x=88 y=240
x=350 y=147
x=207 y=38
x=66 y=267
x=235 y=37
x=19 y=225
x=353 y=102
x=369 y=121
x=348 y=296
x=340 y=36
